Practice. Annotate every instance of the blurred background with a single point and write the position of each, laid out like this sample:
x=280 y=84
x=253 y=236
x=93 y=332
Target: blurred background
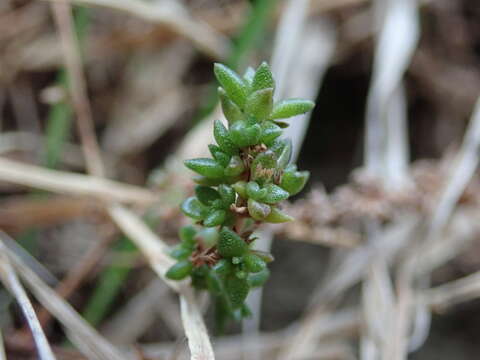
x=382 y=262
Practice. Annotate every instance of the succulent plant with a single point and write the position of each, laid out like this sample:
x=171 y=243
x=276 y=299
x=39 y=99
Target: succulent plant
x=240 y=187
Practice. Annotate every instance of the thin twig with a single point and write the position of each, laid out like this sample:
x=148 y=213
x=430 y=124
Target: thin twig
x=10 y=280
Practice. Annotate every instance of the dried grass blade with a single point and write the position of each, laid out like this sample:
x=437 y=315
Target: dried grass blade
x=3 y=355
x=378 y=308
x=11 y=282
x=87 y=339
x=464 y=289
x=394 y=49
x=72 y=184
x=462 y=171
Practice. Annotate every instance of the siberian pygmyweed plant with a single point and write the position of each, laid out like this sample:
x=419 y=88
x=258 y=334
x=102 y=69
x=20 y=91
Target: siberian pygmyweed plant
x=237 y=190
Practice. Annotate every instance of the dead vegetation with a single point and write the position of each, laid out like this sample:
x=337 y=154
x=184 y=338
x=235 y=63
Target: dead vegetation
x=97 y=99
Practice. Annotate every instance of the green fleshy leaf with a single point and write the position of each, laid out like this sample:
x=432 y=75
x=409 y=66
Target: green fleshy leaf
x=217 y=205
x=235 y=167
x=274 y=194
x=285 y=154
x=193 y=207
x=234 y=85
x=265 y=256
x=277 y=216
x=270 y=131
x=222 y=137
x=258 y=210
x=254 y=190
x=223 y=267
x=230 y=220
x=227 y=193
x=291 y=107
x=263 y=78
x=253 y=263
x=259 y=104
x=241 y=188
x=180 y=270
x=208 y=237
x=187 y=235
x=294 y=182
x=243 y=135
x=277 y=146
x=231 y=244
x=231 y=111
x=181 y=252
x=199 y=277
x=214 y=149
x=241 y=274
x=202 y=180
x=206 y=194
x=215 y=283
x=222 y=158
x=263 y=167
x=258 y=279
x=237 y=290
x=215 y=218
x=206 y=167
x=245 y=311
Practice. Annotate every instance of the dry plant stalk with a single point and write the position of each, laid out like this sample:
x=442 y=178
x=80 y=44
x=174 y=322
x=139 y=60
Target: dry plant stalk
x=73 y=184
x=89 y=341
x=11 y=282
